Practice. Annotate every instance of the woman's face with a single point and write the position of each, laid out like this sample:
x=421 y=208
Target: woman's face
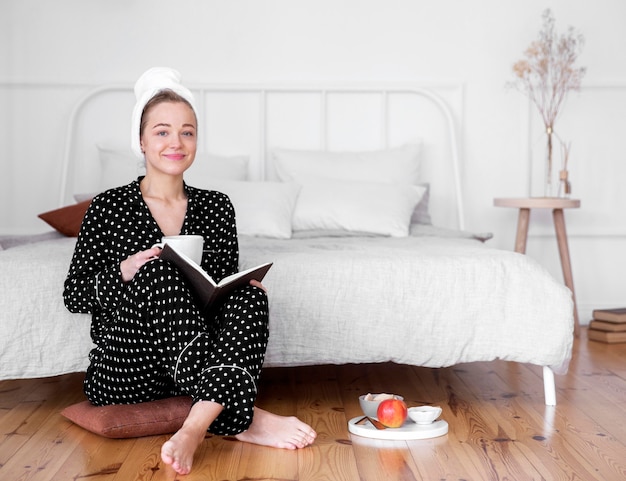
x=169 y=139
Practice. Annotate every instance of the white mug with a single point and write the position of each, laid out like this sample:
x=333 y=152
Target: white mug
x=190 y=245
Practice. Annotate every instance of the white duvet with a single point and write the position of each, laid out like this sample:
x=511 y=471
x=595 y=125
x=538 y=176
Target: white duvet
x=421 y=300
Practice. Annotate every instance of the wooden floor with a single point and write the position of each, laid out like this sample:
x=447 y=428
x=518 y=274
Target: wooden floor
x=499 y=427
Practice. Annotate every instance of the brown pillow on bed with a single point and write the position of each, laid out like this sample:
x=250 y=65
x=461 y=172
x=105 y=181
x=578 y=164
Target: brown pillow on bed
x=67 y=219
x=163 y=416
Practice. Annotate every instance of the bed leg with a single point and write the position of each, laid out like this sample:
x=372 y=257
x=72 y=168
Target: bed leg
x=549 y=387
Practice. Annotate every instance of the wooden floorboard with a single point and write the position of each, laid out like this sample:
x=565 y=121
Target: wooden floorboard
x=499 y=427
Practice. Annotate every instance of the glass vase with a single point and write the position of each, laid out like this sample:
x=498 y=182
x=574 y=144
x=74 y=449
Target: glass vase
x=548 y=184
x=565 y=187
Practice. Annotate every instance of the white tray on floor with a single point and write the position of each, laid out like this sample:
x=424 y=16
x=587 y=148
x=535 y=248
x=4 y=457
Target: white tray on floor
x=409 y=430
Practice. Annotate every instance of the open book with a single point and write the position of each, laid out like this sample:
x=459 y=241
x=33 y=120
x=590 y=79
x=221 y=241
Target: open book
x=206 y=289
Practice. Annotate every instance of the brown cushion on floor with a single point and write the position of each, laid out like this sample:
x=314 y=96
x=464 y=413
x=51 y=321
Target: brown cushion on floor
x=131 y=420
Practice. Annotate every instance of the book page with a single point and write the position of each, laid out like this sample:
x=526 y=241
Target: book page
x=233 y=277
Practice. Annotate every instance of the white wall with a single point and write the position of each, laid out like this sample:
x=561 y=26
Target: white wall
x=52 y=52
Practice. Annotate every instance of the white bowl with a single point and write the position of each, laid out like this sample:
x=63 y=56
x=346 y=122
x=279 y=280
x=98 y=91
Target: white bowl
x=424 y=414
x=370 y=408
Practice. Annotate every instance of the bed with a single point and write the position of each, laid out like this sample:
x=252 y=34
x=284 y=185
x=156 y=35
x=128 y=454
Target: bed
x=354 y=193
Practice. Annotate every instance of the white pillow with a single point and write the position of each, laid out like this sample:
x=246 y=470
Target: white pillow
x=118 y=167
x=421 y=214
x=210 y=166
x=262 y=209
x=376 y=208
x=398 y=165
x=121 y=166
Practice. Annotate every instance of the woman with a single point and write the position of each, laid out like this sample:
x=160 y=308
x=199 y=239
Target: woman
x=152 y=341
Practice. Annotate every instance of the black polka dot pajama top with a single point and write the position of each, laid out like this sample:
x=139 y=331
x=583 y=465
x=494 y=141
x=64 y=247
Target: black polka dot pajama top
x=152 y=340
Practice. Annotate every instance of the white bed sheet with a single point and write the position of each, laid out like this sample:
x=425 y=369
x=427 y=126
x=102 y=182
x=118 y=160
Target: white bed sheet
x=422 y=300
x=427 y=301
x=40 y=337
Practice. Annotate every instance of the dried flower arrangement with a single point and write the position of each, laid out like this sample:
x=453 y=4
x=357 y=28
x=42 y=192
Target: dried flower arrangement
x=546 y=74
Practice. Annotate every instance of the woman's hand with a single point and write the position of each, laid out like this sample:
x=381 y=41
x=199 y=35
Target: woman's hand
x=132 y=264
x=255 y=283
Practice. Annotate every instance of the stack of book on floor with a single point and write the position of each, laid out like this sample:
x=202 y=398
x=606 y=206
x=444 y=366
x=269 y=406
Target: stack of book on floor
x=608 y=325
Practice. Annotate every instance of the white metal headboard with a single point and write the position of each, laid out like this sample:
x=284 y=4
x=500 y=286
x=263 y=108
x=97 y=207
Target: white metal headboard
x=267 y=101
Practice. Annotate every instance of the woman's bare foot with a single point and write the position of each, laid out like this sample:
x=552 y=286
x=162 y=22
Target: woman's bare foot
x=178 y=451
x=286 y=432
x=267 y=429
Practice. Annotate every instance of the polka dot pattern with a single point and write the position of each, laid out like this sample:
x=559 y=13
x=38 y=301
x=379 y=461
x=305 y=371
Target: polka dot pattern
x=152 y=340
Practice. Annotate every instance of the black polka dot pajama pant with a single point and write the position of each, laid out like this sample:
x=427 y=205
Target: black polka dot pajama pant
x=160 y=345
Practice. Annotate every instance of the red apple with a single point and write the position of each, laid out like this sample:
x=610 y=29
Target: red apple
x=392 y=413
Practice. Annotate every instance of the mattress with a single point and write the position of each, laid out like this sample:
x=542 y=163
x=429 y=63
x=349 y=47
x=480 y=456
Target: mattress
x=436 y=298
